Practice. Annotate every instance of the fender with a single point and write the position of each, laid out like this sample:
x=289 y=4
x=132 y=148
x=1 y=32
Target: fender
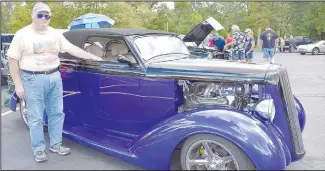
x=256 y=139
x=301 y=113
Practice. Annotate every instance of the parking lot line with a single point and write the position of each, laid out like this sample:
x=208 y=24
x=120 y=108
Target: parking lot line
x=8 y=112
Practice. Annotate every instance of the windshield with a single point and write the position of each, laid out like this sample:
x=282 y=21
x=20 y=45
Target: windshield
x=151 y=46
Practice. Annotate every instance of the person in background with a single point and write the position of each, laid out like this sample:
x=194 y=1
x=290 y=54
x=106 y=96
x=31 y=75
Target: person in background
x=268 y=42
x=228 y=39
x=249 y=45
x=218 y=42
x=34 y=67
x=238 y=42
x=282 y=44
x=211 y=41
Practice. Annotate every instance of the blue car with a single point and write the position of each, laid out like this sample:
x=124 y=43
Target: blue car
x=150 y=98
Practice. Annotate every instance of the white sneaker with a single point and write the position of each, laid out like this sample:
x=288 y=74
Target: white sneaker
x=272 y=61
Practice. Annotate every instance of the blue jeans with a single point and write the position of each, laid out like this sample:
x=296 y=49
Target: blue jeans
x=268 y=52
x=44 y=92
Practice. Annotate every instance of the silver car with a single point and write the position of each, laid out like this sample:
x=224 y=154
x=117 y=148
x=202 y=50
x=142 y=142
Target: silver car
x=314 y=48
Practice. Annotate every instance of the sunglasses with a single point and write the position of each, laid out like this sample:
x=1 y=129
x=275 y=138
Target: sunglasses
x=46 y=16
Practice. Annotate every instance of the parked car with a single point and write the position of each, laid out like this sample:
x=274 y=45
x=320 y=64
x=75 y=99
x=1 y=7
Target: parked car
x=197 y=40
x=292 y=44
x=5 y=43
x=314 y=48
x=146 y=100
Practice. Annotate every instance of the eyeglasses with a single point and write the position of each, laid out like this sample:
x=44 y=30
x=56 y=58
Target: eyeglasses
x=46 y=16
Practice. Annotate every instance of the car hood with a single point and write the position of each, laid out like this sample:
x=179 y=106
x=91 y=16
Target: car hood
x=201 y=31
x=307 y=46
x=214 y=70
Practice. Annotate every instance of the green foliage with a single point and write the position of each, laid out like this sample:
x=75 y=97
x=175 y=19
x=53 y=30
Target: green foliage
x=286 y=18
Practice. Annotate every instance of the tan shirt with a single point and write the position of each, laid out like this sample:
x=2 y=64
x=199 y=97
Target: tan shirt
x=38 y=52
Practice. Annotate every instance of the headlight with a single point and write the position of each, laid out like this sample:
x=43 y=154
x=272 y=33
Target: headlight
x=265 y=109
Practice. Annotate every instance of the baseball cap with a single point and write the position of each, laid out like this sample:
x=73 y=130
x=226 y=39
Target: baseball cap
x=214 y=35
x=40 y=6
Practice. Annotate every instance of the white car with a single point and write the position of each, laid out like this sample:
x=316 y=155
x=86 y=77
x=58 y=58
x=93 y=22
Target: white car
x=314 y=48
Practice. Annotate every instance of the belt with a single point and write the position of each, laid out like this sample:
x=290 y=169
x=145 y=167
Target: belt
x=43 y=72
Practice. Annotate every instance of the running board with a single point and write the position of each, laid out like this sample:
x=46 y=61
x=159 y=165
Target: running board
x=99 y=141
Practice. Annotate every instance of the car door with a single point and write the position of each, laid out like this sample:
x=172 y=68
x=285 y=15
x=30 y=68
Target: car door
x=71 y=93
x=110 y=97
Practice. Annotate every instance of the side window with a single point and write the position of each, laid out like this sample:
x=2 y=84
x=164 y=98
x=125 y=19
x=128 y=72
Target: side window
x=116 y=47
x=94 y=47
x=108 y=48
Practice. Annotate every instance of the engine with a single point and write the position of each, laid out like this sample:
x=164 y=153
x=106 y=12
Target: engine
x=210 y=94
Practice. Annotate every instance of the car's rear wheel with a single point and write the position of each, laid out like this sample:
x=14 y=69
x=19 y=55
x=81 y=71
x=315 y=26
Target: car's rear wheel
x=210 y=152
x=315 y=51
x=302 y=53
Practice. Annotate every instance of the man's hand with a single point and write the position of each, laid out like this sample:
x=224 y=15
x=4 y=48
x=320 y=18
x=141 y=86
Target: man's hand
x=96 y=58
x=20 y=91
x=80 y=53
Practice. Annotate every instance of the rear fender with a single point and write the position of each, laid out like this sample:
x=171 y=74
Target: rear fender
x=259 y=143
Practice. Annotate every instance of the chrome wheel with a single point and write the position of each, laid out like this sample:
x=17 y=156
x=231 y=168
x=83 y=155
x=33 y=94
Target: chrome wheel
x=210 y=155
x=23 y=111
x=315 y=51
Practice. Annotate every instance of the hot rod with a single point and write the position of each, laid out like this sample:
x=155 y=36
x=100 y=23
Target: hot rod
x=150 y=97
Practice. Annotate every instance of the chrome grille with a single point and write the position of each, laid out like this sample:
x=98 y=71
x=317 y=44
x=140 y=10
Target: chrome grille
x=292 y=114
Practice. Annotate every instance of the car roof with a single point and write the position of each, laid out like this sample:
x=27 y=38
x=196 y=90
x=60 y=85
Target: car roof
x=119 y=31
x=77 y=36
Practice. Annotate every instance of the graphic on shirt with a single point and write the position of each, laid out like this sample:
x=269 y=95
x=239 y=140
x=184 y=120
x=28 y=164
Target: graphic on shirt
x=45 y=52
x=269 y=36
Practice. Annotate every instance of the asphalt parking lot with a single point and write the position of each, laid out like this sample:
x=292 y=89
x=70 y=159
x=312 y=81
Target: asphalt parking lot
x=307 y=76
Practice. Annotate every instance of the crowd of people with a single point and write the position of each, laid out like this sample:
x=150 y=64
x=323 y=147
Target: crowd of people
x=241 y=45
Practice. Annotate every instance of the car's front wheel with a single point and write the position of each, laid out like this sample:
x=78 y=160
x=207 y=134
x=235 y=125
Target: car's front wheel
x=210 y=152
x=315 y=51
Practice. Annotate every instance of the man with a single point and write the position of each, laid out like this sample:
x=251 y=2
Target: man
x=218 y=42
x=238 y=42
x=34 y=50
x=269 y=41
x=282 y=44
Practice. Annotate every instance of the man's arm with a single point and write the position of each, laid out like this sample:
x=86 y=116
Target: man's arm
x=14 y=54
x=73 y=50
x=78 y=52
x=14 y=72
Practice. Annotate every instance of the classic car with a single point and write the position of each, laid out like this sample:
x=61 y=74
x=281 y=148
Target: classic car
x=146 y=101
x=314 y=48
x=197 y=39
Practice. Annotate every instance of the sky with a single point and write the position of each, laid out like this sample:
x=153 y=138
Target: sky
x=170 y=5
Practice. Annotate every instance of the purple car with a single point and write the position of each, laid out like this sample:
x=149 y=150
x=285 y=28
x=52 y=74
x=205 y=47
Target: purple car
x=150 y=98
